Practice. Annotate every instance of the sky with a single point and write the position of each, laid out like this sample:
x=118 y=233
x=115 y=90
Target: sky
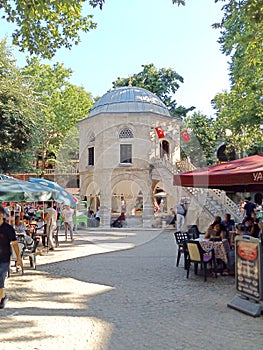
x=132 y=33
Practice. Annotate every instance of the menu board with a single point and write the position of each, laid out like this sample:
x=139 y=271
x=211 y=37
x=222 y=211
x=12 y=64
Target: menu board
x=248 y=267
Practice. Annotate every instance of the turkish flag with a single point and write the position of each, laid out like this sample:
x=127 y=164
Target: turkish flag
x=160 y=132
x=186 y=137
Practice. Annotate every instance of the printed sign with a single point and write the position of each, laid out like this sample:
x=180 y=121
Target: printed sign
x=248 y=267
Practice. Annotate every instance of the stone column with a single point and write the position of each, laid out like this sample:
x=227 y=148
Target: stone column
x=105 y=215
x=148 y=209
x=147 y=216
x=105 y=202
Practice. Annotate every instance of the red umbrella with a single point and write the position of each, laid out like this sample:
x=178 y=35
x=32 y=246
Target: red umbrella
x=244 y=174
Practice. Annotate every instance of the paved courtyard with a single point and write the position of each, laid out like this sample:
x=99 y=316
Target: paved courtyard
x=120 y=289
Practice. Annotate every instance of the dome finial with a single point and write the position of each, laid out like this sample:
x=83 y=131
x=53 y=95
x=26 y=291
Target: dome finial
x=130 y=81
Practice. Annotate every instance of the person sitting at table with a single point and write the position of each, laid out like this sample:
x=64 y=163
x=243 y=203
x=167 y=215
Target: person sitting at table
x=215 y=231
x=252 y=228
x=254 y=216
x=19 y=225
x=229 y=224
x=20 y=228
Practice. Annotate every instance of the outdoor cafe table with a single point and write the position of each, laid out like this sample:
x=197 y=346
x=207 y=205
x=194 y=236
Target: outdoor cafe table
x=221 y=247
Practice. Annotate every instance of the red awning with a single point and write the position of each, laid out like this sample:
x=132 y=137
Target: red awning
x=244 y=174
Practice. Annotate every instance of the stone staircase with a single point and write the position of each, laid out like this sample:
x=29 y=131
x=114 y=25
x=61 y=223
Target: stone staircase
x=213 y=201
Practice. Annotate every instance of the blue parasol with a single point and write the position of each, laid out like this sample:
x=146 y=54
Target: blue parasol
x=60 y=195
x=14 y=190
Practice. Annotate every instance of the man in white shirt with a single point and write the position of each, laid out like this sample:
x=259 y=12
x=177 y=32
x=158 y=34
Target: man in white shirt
x=51 y=221
x=67 y=216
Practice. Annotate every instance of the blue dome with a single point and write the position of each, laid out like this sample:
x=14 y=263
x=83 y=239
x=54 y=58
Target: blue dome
x=129 y=99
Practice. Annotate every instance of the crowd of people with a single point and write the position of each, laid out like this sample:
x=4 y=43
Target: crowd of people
x=226 y=228
x=24 y=221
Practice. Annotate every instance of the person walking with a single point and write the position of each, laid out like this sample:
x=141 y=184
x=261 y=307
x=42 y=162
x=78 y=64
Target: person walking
x=7 y=238
x=180 y=214
x=249 y=208
x=67 y=216
x=51 y=224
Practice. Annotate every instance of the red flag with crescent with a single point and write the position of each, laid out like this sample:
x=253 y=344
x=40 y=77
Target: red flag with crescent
x=160 y=132
x=186 y=137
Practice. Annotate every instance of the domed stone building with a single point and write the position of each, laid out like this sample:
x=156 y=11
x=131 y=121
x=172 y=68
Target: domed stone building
x=124 y=143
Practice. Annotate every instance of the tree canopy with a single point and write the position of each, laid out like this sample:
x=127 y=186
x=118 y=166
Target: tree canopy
x=17 y=103
x=163 y=82
x=39 y=107
x=44 y=26
x=203 y=139
x=241 y=110
x=62 y=105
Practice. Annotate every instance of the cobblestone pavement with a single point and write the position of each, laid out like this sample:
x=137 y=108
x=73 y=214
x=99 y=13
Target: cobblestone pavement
x=121 y=290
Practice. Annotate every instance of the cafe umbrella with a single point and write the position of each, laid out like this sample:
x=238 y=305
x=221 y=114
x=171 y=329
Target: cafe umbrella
x=14 y=190
x=60 y=194
x=240 y=175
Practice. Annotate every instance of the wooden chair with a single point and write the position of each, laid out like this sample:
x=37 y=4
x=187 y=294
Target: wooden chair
x=198 y=255
x=180 y=238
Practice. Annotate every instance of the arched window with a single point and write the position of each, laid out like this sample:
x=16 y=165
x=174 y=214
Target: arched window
x=164 y=149
x=126 y=133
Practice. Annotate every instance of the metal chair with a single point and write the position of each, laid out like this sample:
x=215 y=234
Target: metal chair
x=180 y=238
x=31 y=253
x=193 y=231
x=198 y=255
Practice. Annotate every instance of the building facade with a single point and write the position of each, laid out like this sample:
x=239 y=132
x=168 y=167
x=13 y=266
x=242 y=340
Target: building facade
x=128 y=131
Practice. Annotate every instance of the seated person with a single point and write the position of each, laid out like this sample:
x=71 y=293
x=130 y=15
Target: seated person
x=215 y=231
x=254 y=216
x=22 y=229
x=97 y=215
x=90 y=213
x=228 y=224
x=119 y=219
x=32 y=228
x=252 y=228
x=19 y=225
x=218 y=219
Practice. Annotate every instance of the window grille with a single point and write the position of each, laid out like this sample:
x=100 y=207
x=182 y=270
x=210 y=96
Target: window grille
x=126 y=133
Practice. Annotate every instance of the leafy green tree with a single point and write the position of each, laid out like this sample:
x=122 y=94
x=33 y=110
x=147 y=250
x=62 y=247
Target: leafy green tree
x=241 y=109
x=162 y=82
x=68 y=154
x=201 y=148
x=44 y=26
x=16 y=114
x=242 y=39
x=62 y=105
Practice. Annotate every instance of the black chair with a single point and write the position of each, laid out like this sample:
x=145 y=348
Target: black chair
x=180 y=238
x=198 y=255
x=193 y=231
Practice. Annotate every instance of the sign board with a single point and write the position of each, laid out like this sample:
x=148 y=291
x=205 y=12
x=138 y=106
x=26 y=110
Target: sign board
x=248 y=267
